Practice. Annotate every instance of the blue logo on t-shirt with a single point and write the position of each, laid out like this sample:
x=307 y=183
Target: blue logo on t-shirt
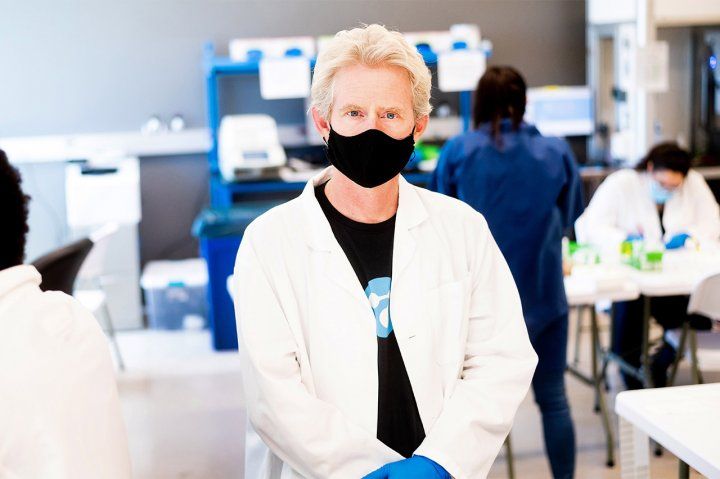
x=378 y=292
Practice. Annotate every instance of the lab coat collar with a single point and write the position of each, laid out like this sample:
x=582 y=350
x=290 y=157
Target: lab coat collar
x=12 y=278
x=319 y=236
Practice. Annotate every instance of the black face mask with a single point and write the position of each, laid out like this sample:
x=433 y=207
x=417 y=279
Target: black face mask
x=370 y=158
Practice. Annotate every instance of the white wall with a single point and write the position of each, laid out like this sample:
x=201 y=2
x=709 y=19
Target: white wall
x=673 y=108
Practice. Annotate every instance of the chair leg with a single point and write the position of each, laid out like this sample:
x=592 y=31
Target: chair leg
x=647 y=377
x=113 y=338
x=578 y=323
x=509 y=456
x=595 y=352
x=679 y=353
x=696 y=377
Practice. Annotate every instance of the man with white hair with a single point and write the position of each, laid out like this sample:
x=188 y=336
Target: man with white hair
x=380 y=329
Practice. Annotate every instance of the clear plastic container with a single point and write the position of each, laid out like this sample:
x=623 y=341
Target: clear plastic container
x=175 y=294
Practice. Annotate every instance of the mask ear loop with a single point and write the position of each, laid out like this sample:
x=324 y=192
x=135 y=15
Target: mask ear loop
x=412 y=133
x=326 y=141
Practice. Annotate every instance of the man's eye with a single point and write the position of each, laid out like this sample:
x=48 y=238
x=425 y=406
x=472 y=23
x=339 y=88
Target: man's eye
x=353 y=113
x=390 y=115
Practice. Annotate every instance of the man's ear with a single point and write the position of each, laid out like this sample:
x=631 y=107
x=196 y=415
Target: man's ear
x=420 y=126
x=321 y=124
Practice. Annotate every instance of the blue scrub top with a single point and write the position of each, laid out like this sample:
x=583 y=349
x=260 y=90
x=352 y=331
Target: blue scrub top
x=530 y=192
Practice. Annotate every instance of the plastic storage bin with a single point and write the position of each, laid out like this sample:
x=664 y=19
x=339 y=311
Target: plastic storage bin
x=220 y=232
x=175 y=294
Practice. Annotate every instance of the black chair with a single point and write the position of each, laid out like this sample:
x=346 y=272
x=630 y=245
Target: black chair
x=59 y=270
x=60 y=267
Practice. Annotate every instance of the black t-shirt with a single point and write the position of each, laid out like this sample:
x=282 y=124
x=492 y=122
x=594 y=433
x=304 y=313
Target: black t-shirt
x=369 y=248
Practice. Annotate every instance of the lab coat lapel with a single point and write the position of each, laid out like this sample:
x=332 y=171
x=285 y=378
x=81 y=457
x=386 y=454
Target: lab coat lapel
x=411 y=212
x=321 y=240
x=406 y=272
x=339 y=270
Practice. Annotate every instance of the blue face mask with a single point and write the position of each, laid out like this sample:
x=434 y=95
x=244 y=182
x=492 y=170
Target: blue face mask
x=660 y=195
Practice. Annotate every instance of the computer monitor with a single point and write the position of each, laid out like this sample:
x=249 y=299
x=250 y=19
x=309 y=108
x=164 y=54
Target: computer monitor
x=561 y=110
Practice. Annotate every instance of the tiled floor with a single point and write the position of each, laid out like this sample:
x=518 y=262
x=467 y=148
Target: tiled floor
x=183 y=407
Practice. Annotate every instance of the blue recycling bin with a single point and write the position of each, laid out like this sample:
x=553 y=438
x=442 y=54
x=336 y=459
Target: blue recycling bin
x=219 y=232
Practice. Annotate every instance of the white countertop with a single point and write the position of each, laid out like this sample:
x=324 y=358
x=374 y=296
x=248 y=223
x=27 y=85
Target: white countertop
x=34 y=149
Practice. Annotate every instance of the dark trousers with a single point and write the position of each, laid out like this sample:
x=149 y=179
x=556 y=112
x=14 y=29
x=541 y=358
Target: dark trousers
x=550 y=343
x=627 y=330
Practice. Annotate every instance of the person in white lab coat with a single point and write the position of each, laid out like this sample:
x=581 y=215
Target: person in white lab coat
x=661 y=201
x=380 y=330
x=59 y=410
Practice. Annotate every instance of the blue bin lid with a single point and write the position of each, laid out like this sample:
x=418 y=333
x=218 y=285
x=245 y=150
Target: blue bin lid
x=219 y=222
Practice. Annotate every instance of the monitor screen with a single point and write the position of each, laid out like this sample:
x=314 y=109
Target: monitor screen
x=561 y=110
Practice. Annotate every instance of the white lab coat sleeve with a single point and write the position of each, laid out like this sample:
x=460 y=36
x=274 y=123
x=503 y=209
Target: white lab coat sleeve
x=706 y=226
x=310 y=435
x=598 y=225
x=499 y=363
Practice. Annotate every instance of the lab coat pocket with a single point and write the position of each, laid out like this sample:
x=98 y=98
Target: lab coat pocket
x=447 y=310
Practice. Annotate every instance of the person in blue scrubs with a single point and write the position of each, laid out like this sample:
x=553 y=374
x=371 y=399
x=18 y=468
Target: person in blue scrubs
x=528 y=188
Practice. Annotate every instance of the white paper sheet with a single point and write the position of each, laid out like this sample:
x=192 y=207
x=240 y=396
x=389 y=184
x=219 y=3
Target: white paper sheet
x=460 y=70
x=654 y=67
x=284 y=78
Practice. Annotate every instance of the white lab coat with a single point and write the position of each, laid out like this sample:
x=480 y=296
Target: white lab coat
x=623 y=205
x=60 y=414
x=309 y=348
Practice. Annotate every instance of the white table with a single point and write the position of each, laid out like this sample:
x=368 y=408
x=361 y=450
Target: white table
x=681 y=271
x=685 y=420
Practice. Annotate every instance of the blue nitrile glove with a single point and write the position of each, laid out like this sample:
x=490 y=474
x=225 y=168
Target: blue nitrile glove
x=634 y=237
x=677 y=241
x=416 y=467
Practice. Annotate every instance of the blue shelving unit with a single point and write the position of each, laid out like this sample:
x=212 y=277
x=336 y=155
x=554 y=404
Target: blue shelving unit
x=222 y=193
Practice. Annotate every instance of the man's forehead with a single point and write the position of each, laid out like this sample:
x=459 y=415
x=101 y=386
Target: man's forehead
x=359 y=85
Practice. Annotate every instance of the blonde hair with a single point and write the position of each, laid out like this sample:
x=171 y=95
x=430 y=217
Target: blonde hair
x=372 y=46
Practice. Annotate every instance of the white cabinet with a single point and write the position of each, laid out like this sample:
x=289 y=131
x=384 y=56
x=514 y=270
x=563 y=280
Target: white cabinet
x=108 y=191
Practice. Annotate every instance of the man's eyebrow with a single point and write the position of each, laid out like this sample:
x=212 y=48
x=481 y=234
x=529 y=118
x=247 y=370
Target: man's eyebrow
x=394 y=109
x=351 y=106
